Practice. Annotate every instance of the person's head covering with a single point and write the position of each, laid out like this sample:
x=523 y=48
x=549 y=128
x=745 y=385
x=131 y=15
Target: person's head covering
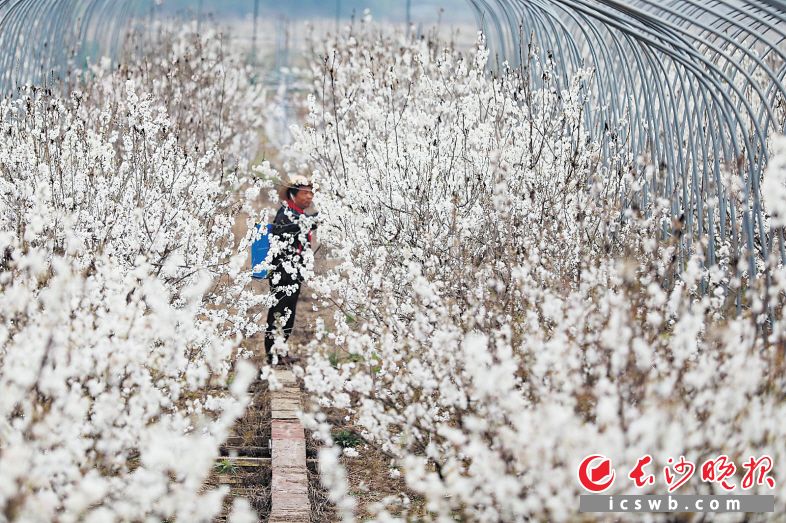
x=294 y=181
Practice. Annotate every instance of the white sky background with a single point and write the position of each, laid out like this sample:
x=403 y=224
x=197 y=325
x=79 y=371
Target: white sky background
x=422 y=11
x=283 y=24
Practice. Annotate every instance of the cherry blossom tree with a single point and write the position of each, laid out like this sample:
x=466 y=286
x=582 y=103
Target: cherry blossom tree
x=119 y=351
x=506 y=305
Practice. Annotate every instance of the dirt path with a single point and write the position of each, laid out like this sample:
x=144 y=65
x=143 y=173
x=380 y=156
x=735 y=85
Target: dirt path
x=246 y=462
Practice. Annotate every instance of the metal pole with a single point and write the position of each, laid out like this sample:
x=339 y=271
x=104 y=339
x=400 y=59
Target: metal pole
x=254 y=35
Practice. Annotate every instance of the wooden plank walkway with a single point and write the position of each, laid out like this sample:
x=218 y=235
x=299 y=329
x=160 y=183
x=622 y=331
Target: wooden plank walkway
x=290 y=503
x=244 y=462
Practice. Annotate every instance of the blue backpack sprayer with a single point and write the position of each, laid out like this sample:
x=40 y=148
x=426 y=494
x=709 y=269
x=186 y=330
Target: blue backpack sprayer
x=259 y=249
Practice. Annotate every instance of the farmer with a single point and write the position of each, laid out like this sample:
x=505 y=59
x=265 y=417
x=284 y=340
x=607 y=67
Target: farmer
x=292 y=231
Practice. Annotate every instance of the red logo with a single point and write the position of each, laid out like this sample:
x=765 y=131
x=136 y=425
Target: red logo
x=594 y=470
x=597 y=475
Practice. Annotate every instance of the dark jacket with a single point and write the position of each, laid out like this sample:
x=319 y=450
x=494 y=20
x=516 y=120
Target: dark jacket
x=294 y=235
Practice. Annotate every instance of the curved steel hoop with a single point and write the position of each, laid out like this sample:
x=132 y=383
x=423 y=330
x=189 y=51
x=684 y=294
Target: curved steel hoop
x=695 y=86
x=43 y=38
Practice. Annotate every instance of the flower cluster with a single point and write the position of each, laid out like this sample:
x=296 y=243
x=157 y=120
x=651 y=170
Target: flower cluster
x=505 y=305
x=118 y=261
